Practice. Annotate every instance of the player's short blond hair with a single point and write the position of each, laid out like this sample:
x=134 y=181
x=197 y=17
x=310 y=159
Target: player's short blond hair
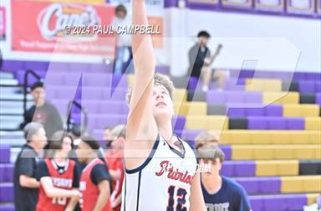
x=206 y=137
x=159 y=79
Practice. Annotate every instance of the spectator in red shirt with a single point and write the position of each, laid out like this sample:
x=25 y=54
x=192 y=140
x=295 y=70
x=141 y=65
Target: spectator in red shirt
x=114 y=157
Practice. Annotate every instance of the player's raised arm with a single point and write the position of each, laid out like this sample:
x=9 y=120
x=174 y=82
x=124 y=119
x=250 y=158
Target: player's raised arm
x=196 y=199
x=141 y=124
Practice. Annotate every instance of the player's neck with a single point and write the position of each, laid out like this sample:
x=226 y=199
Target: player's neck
x=166 y=131
x=40 y=103
x=212 y=184
x=91 y=159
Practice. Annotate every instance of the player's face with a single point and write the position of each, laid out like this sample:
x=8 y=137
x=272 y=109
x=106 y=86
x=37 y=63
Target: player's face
x=203 y=40
x=66 y=145
x=40 y=138
x=162 y=103
x=121 y=14
x=83 y=152
x=38 y=94
x=216 y=166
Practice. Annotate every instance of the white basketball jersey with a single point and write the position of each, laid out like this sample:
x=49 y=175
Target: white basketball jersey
x=162 y=182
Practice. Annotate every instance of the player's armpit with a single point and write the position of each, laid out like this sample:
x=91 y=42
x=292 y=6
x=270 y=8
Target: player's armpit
x=197 y=200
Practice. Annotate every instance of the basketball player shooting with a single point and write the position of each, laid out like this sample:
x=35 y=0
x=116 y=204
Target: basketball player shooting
x=161 y=169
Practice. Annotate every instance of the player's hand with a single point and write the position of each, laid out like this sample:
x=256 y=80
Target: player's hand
x=207 y=61
x=76 y=194
x=218 y=49
x=81 y=202
x=113 y=203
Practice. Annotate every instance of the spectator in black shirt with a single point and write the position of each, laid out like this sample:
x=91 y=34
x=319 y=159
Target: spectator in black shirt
x=25 y=182
x=42 y=111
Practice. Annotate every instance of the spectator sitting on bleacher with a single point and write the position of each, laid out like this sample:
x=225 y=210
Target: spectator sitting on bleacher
x=220 y=193
x=42 y=111
x=25 y=182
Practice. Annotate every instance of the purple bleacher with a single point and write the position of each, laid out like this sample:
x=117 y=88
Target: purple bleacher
x=257 y=203
x=306 y=86
x=105 y=80
x=261 y=185
x=313 y=76
x=284 y=76
x=245 y=109
x=36 y=65
x=317 y=87
x=301 y=76
x=275 y=123
x=179 y=123
x=217 y=97
x=12 y=65
x=20 y=74
x=105 y=107
x=295 y=123
x=58 y=66
x=235 y=84
x=164 y=69
x=95 y=93
x=98 y=121
x=101 y=68
x=192 y=83
x=7 y=207
x=6 y=192
x=79 y=67
x=6 y=172
x=318 y=98
x=63 y=92
x=273 y=110
x=238 y=168
x=227 y=149
x=190 y=134
x=246 y=74
x=170 y=3
x=4 y=153
x=285 y=202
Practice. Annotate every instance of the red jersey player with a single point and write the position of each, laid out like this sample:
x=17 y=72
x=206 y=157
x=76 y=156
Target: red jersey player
x=114 y=157
x=59 y=177
x=95 y=181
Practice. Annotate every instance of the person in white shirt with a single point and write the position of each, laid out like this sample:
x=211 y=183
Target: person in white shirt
x=124 y=54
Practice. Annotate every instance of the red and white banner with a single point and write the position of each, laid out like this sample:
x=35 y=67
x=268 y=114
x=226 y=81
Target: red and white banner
x=2 y=23
x=61 y=28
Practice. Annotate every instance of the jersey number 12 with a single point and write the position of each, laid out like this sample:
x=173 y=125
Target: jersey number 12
x=178 y=197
